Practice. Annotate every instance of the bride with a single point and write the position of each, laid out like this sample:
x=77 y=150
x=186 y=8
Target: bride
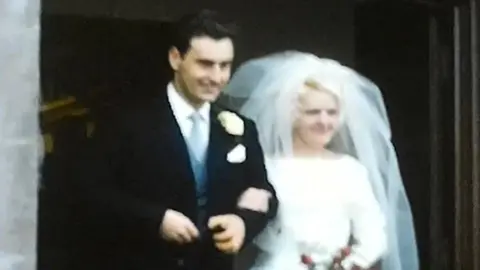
x=326 y=137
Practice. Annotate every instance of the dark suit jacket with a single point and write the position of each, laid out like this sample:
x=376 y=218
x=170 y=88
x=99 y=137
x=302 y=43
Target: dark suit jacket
x=139 y=167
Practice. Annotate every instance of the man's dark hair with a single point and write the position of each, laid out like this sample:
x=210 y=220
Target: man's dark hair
x=203 y=23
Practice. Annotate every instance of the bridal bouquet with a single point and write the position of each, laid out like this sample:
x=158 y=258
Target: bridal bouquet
x=319 y=254
x=313 y=261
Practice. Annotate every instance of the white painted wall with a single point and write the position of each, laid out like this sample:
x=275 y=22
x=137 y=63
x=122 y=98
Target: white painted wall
x=19 y=144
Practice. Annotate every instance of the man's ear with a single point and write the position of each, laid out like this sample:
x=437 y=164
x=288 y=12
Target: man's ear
x=174 y=58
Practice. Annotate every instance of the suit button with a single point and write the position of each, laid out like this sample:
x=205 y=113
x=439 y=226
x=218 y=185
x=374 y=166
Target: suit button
x=180 y=262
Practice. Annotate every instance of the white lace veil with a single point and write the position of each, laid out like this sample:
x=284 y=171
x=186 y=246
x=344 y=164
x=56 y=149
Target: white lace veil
x=266 y=90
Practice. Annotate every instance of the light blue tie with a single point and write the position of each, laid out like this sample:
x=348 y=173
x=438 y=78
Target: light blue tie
x=196 y=141
x=197 y=146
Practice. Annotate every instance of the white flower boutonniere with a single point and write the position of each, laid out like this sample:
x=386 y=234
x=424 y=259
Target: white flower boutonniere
x=235 y=126
x=232 y=123
x=238 y=154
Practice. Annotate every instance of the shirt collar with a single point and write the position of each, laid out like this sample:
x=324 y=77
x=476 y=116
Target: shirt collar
x=182 y=108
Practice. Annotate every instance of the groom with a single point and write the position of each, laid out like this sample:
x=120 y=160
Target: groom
x=179 y=182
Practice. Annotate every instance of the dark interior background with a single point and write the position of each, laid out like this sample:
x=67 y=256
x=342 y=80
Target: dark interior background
x=394 y=52
x=396 y=48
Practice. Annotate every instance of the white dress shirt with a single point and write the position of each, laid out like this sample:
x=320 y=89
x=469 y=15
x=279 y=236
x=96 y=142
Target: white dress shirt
x=182 y=111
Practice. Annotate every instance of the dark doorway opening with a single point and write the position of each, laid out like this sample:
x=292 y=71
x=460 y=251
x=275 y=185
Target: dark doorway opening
x=88 y=65
x=392 y=49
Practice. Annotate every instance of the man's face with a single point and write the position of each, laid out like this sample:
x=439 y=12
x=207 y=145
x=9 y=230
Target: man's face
x=204 y=70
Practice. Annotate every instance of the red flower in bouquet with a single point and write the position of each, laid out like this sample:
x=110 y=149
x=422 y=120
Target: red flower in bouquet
x=307 y=260
x=344 y=252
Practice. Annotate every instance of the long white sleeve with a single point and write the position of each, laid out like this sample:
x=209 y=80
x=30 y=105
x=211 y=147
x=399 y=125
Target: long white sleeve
x=368 y=224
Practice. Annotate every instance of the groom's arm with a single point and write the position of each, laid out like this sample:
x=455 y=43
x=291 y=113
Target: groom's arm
x=107 y=158
x=256 y=221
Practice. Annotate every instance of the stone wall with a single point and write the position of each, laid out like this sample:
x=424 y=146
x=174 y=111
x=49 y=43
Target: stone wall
x=19 y=144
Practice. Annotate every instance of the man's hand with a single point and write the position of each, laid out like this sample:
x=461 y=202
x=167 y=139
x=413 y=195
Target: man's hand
x=255 y=199
x=178 y=228
x=231 y=235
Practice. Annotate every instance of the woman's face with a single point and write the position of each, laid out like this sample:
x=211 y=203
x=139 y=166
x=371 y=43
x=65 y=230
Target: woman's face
x=317 y=119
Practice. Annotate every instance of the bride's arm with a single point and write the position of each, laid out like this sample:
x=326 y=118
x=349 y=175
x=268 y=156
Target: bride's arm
x=256 y=221
x=368 y=224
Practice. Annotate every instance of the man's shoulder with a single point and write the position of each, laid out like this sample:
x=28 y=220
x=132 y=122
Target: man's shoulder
x=129 y=115
x=219 y=108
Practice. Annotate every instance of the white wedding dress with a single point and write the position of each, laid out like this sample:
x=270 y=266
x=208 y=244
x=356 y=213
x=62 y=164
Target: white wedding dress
x=323 y=202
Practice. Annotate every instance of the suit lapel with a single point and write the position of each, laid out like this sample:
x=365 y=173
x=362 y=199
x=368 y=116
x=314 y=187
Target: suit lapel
x=174 y=142
x=219 y=145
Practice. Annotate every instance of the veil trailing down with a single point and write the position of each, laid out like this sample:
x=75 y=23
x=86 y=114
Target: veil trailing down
x=257 y=92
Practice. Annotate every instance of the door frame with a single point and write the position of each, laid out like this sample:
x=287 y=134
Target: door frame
x=455 y=246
